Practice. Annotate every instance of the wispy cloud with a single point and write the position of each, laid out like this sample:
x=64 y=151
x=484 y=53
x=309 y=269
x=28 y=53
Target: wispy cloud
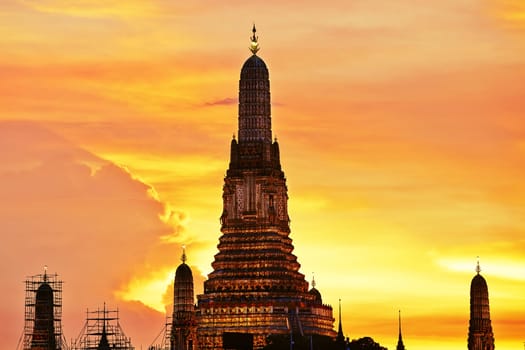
x=227 y=101
x=84 y=8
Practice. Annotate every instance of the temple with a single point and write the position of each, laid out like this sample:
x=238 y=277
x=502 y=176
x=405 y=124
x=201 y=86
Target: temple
x=256 y=289
x=480 y=336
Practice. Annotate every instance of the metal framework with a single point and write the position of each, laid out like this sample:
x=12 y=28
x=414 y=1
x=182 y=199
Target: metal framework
x=32 y=283
x=163 y=339
x=98 y=322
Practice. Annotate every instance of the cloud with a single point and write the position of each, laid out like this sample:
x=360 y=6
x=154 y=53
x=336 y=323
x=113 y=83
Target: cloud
x=227 y=101
x=83 y=8
x=512 y=12
x=88 y=219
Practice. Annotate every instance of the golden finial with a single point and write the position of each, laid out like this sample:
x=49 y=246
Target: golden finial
x=183 y=258
x=45 y=273
x=313 y=280
x=478 y=269
x=254 y=45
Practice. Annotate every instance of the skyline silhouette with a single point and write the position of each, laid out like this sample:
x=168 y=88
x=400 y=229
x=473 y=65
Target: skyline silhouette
x=400 y=126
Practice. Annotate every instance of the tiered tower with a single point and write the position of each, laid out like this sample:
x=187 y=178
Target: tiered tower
x=480 y=336
x=183 y=330
x=256 y=288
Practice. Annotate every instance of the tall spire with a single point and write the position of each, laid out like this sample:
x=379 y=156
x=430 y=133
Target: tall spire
x=400 y=345
x=254 y=45
x=313 y=280
x=340 y=336
x=399 y=324
x=478 y=268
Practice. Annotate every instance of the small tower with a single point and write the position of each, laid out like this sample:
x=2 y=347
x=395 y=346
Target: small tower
x=44 y=329
x=43 y=313
x=400 y=345
x=480 y=336
x=183 y=331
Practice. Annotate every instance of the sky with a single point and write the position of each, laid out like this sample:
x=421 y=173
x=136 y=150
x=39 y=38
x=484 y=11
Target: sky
x=402 y=134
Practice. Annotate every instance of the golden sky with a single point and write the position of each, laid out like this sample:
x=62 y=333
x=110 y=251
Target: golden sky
x=402 y=133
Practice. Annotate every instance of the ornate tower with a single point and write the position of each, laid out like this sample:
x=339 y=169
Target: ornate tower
x=480 y=336
x=183 y=331
x=400 y=345
x=255 y=288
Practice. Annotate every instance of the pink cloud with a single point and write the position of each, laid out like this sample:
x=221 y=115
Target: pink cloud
x=88 y=219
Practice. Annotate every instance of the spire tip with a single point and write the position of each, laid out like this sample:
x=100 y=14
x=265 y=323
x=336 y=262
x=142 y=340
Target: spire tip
x=254 y=45
x=183 y=258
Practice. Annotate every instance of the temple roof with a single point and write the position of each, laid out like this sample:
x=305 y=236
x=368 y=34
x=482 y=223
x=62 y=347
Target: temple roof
x=183 y=273
x=478 y=285
x=317 y=294
x=45 y=287
x=254 y=68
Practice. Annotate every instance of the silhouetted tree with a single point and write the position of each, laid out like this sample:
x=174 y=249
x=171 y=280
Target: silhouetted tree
x=365 y=343
x=282 y=342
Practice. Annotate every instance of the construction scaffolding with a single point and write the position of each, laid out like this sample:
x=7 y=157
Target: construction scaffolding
x=100 y=324
x=163 y=339
x=32 y=285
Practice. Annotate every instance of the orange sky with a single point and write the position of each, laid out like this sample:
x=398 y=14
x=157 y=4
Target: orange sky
x=401 y=130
